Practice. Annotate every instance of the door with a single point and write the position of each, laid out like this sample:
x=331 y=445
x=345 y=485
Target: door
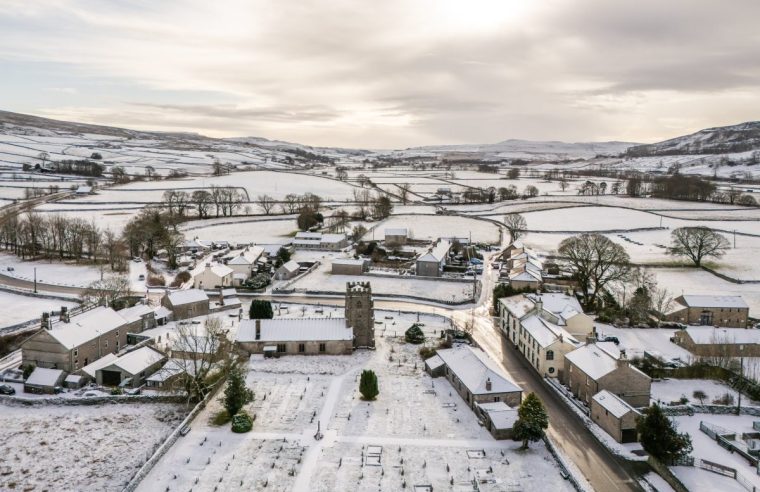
x=706 y=318
x=628 y=435
x=111 y=378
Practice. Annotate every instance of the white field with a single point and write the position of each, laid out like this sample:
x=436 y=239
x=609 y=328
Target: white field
x=636 y=340
x=672 y=390
x=706 y=448
x=15 y=308
x=80 y=447
x=49 y=272
x=436 y=290
x=428 y=430
x=431 y=227
x=692 y=281
x=241 y=230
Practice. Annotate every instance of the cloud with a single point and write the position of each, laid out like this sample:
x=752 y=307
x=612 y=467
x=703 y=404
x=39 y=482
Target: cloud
x=398 y=73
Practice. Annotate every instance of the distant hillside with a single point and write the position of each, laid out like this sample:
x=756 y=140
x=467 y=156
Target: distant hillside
x=529 y=149
x=743 y=137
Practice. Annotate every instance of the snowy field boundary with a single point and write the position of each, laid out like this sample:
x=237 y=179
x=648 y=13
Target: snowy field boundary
x=20 y=401
x=169 y=442
x=690 y=409
x=388 y=297
x=31 y=293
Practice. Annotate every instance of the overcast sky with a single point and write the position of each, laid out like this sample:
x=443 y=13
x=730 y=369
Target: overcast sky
x=386 y=73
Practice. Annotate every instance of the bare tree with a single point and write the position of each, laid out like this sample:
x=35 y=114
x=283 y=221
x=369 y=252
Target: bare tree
x=266 y=203
x=595 y=262
x=290 y=204
x=563 y=183
x=202 y=200
x=516 y=225
x=107 y=291
x=403 y=192
x=697 y=243
x=662 y=300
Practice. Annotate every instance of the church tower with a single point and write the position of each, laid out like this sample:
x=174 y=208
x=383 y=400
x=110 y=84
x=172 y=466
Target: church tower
x=360 y=313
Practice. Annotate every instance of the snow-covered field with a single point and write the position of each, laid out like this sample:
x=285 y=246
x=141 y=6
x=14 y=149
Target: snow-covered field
x=431 y=227
x=436 y=290
x=79 y=447
x=636 y=340
x=242 y=231
x=693 y=281
x=16 y=308
x=672 y=390
x=708 y=449
x=49 y=272
x=422 y=426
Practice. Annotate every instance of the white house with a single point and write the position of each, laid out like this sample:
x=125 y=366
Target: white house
x=212 y=275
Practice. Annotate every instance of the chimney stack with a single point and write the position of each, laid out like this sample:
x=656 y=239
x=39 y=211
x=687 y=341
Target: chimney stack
x=221 y=296
x=64 y=314
x=45 y=320
x=623 y=359
x=258 y=329
x=591 y=338
x=488 y=384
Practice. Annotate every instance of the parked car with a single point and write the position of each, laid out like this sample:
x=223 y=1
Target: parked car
x=141 y=277
x=137 y=259
x=614 y=340
x=6 y=389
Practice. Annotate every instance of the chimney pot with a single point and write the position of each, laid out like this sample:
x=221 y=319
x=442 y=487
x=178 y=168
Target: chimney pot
x=258 y=329
x=488 y=384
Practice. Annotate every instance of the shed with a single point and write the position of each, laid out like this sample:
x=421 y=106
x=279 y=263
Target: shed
x=134 y=366
x=349 y=266
x=287 y=271
x=43 y=380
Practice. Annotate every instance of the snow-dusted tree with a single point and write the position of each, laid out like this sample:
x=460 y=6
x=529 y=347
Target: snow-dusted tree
x=660 y=438
x=697 y=243
x=516 y=225
x=236 y=393
x=266 y=203
x=532 y=420
x=106 y=292
x=368 y=385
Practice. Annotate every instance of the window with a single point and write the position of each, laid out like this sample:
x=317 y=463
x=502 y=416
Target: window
x=551 y=370
x=301 y=347
x=550 y=355
x=322 y=347
x=76 y=364
x=496 y=399
x=106 y=343
x=281 y=347
x=76 y=352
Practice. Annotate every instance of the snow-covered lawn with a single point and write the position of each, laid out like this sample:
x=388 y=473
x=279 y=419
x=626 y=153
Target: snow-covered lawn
x=258 y=231
x=436 y=290
x=420 y=428
x=672 y=390
x=636 y=340
x=49 y=272
x=431 y=227
x=16 y=308
x=80 y=447
x=708 y=449
x=693 y=281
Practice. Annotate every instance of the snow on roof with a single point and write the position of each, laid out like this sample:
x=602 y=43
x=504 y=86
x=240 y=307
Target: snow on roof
x=42 y=376
x=437 y=253
x=291 y=266
x=91 y=368
x=502 y=416
x=517 y=244
x=545 y=332
x=218 y=269
x=474 y=368
x=613 y=404
x=333 y=238
x=84 y=189
x=434 y=362
x=137 y=361
x=247 y=256
x=349 y=261
x=171 y=368
x=73 y=378
x=524 y=276
x=313 y=236
x=301 y=329
x=594 y=359
x=714 y=301
x=557 y=303
x=710 y=335
x=162 y=312
x=179 y=297
x=135 y=313
x=401 y=231
x=518 y=306
x=86 y=326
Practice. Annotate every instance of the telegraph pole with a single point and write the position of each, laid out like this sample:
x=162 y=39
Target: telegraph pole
x=35 y=280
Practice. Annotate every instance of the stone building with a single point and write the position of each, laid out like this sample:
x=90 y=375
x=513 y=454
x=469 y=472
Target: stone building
x=75 y=341
x=601 y=366
x=349 y=266
x=130 y=369
x=476 y=377
x=396 y=237
x=499 y=418
x=728 y=311
x=314 y=336
x=213 y=275
x=544 y=328
x=287 y=270
x=615 y=416
x=431 y=263
x=709 y=341
x=319 y=241
x=360 y=313
x=187 y=303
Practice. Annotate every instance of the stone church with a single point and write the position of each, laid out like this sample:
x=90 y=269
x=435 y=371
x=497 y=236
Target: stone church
x=314 y=336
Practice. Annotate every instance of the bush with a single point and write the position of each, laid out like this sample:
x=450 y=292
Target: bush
x=156 y=280
x=414 y=335
x=242 y=422
x=258 y=281
x=220 y=418
x=427 y=352
x=116 y=391
x=726 y=399
x=28 y=370
x=181 y=278
x=260 y=309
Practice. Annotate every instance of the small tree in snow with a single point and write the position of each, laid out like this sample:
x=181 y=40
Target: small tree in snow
x=660 y=438
x=414 y=334
x=532 y=420
x=699 y=395
x=236 y=394
x=368 y=385
x=260 y=309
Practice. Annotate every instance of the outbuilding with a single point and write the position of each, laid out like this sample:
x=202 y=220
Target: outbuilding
x=44 y=381
x=615 y=416
x=349 y=266
x=131 y=369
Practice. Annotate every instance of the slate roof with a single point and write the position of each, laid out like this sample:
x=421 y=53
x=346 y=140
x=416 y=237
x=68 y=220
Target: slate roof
x=293 y=330
x=474 y=368
x=613 y=404
x=714 y=301
x=86 y=326
x=180 y=297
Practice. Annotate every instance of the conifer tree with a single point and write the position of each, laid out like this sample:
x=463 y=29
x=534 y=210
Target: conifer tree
x=236 y=394
x=260 y=309
x=368 y=385
x=532 y=420
x=659 y=438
